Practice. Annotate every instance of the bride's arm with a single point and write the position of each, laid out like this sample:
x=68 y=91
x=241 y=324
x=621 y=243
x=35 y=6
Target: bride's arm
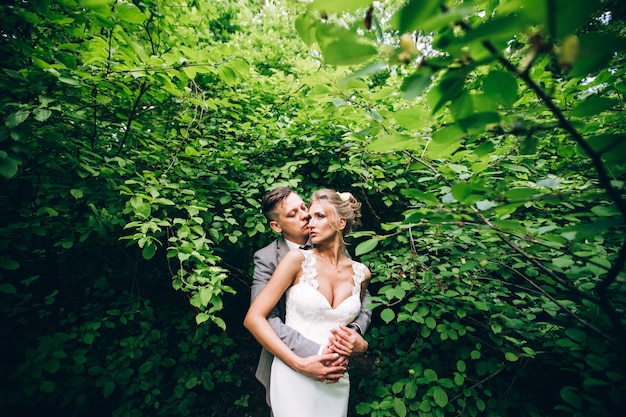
x=256 y=321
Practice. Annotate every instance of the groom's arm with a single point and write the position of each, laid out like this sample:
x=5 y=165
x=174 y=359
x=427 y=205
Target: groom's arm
x=363 y=320
x=264 y=267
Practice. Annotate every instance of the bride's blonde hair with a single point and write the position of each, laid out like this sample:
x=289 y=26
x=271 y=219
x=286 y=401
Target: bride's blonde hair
x=344 y=206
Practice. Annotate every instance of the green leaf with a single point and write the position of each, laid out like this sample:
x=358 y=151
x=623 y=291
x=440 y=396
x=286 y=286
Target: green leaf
x=17 y=118
x=445 y=142
x=335 y=6
x=415 y=84
x=430 y=375
x=88 y=338
x=571 y=396
x=219 y=323
x=441 y=398
x=52 y=365
x=393 y=142
x=521 y=194
x=462 y=107
x=130 y=13
x=227 y=74
x=449 y=88
x=76 y=193
x=577 y=335
x=47 y=386
x=410 y=390
x=414 y=13
x=421 y=196
x=572 y=15
x=146 y=367
x=501 y=87
x=205 y=295
x=387 y=315
x=201 y=318
x=461 y=190
x=563 y=261
x=7 y=288
x=593 y=106
x=340 y=46
x=9 y=264
x=70 y=81
x=495 y=30
x=347 y=52
x=399 y=407
x=148 y=251
x=8 y=165
x=42 y=115
x=108 y=389
x=413 y=118
x=595 y=52
x=366 y=247
x=305 y=26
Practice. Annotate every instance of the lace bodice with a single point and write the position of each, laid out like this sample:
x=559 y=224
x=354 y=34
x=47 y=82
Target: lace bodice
x=309 y=312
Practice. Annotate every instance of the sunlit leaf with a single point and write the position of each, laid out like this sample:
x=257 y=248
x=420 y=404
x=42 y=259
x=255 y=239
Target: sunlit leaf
x=445 y=141
x=415 y=12
x=129 y=12
x=347 y=52
x=335 y=6
x=366 y=246
x=305 y=26
x=393 y=142
x=413 y=119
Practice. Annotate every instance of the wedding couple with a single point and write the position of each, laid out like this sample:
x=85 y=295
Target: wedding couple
x=310 y=316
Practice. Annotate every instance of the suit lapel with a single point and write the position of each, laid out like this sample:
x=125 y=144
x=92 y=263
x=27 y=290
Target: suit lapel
x=281 y=248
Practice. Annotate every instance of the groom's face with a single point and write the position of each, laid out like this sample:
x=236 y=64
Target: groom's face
x=293 y=219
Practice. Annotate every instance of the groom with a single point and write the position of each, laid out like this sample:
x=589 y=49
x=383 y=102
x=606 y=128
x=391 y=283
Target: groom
x=288 y=215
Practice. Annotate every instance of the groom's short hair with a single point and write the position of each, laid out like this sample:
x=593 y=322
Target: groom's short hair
x=271 y=198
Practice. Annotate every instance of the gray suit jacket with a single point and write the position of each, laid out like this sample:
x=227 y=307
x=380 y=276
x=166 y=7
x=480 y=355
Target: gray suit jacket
x=265 y=262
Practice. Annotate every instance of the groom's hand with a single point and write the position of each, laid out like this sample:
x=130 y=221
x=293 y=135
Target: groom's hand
x=347 y=342
x=340 y=360
x=321 y=367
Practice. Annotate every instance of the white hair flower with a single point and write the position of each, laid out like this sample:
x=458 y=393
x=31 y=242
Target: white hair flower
x=344 y=196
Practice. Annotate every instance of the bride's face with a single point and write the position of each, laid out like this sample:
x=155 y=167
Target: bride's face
x=323 y=224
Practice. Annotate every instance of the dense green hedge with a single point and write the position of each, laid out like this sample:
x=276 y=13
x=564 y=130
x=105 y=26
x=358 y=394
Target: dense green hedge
x=485 y=139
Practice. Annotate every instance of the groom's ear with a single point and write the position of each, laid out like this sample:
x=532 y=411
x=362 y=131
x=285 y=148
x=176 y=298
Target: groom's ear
x=276 y=227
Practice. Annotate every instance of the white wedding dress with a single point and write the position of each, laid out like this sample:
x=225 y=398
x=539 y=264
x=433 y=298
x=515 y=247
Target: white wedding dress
x=308 y=311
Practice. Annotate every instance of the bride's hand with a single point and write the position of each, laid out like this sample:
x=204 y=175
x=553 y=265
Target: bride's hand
x=320 y=367
x=347 y=342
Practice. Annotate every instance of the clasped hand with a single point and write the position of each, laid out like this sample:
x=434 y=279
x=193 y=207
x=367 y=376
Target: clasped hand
x=344 y=342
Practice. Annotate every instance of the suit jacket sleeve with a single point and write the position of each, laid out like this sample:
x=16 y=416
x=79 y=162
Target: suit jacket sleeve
x=365 y=315
x=364 y=318
x=265 y=262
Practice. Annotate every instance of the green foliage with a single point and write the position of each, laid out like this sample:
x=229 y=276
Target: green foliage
x=485 y=139
x=511 y=287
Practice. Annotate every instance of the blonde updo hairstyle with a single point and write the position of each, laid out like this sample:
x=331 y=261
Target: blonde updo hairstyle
x=339 y=206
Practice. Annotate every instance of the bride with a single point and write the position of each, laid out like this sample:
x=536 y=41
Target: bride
x=324 y=289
